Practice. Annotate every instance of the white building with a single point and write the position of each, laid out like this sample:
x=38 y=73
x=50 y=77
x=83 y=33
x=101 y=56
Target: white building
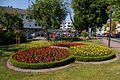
x=118 y=28
x=30 y=25
x=101 y=31
x=66 y=25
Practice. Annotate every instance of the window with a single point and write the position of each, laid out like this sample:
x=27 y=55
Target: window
x=35 y=24
x=68 y=22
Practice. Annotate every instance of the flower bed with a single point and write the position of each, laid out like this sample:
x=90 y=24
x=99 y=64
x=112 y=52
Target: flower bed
x=33 y=45
x=92 y=53
x=68 y=44
x=41 y=58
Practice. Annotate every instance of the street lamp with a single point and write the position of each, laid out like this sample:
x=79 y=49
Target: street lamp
x=109 y=39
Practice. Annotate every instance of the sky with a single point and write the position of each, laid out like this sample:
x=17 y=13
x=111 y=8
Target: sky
x=22 y=4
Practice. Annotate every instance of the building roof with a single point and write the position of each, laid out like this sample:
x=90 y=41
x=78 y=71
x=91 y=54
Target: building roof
x=10 y=9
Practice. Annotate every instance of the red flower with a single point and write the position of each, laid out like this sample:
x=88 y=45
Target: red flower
x=41 y=55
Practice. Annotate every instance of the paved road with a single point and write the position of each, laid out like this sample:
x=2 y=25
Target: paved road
x=113 y=44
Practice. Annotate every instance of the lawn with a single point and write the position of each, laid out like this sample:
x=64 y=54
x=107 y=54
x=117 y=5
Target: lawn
x=106 y=71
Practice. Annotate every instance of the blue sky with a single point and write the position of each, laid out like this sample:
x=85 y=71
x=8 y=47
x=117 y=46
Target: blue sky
x=22 y=4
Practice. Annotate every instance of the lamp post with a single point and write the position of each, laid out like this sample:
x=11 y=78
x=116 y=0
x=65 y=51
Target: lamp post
x=109 y=36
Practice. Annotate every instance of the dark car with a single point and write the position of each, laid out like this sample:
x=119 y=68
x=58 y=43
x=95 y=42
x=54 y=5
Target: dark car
x=29 y=36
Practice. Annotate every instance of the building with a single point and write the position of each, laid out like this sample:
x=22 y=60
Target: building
x=66 y=25
x=31 y=27
x=118 y=28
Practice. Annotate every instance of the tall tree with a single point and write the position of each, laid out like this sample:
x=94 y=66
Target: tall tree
x=116 y=14
x=113 y=25
x=116 y=11
x=89 y=13
x=9 y=21
x=49 y=13
x=10 y=26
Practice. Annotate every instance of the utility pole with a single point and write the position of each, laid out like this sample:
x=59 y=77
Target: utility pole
x=109 y=37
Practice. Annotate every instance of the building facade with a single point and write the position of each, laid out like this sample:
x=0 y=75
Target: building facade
x=31 y=27
x=66 y=25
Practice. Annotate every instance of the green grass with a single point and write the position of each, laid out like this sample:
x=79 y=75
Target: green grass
x=106 y=71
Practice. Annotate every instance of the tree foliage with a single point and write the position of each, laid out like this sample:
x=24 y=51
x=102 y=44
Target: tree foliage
x=116 y=14
x=116 y=11
x=48 y=13
x=113 y=25
x=9 y=21
x=89 y=13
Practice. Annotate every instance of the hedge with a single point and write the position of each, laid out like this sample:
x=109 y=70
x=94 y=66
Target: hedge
x=69 y=39
x=100 y=58
x=24 y=65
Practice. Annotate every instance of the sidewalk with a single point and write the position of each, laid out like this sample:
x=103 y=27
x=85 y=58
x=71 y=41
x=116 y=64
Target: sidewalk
x=113 y=44
x=116 y=39
x=39 y=38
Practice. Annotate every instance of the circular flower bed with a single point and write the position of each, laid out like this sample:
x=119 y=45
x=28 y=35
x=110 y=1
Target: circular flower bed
x=68 y=44
x=92 y=53
x=41 y=58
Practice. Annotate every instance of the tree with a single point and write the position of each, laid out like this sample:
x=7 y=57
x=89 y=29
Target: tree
x=116 y=14
x=89 y=13
x=9 y=21
x=113 y=25
x=116 y=9
x=48 y=13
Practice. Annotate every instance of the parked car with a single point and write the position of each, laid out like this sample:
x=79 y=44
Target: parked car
x=29 y=36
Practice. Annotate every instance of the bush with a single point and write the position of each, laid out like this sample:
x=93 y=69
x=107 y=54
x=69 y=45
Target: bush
x=88 y=59
x=84 y=34
x=41 y=58
x=69 y=39
x=1 y=53
x=7 y=38
x=4 y=54
x=14 y=49
x=68 y=44
x=33 y=45
x=42 y=65
x=92 y=53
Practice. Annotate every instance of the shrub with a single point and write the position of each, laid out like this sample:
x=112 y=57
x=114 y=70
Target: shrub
x=33 y=45
x=42 y=65
x=10 y=38
x=92 y=53
x=41 y=58
x=4 y=54
x=69 y=39
x=68 y=44
x=1 y=53
x=85 y=34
